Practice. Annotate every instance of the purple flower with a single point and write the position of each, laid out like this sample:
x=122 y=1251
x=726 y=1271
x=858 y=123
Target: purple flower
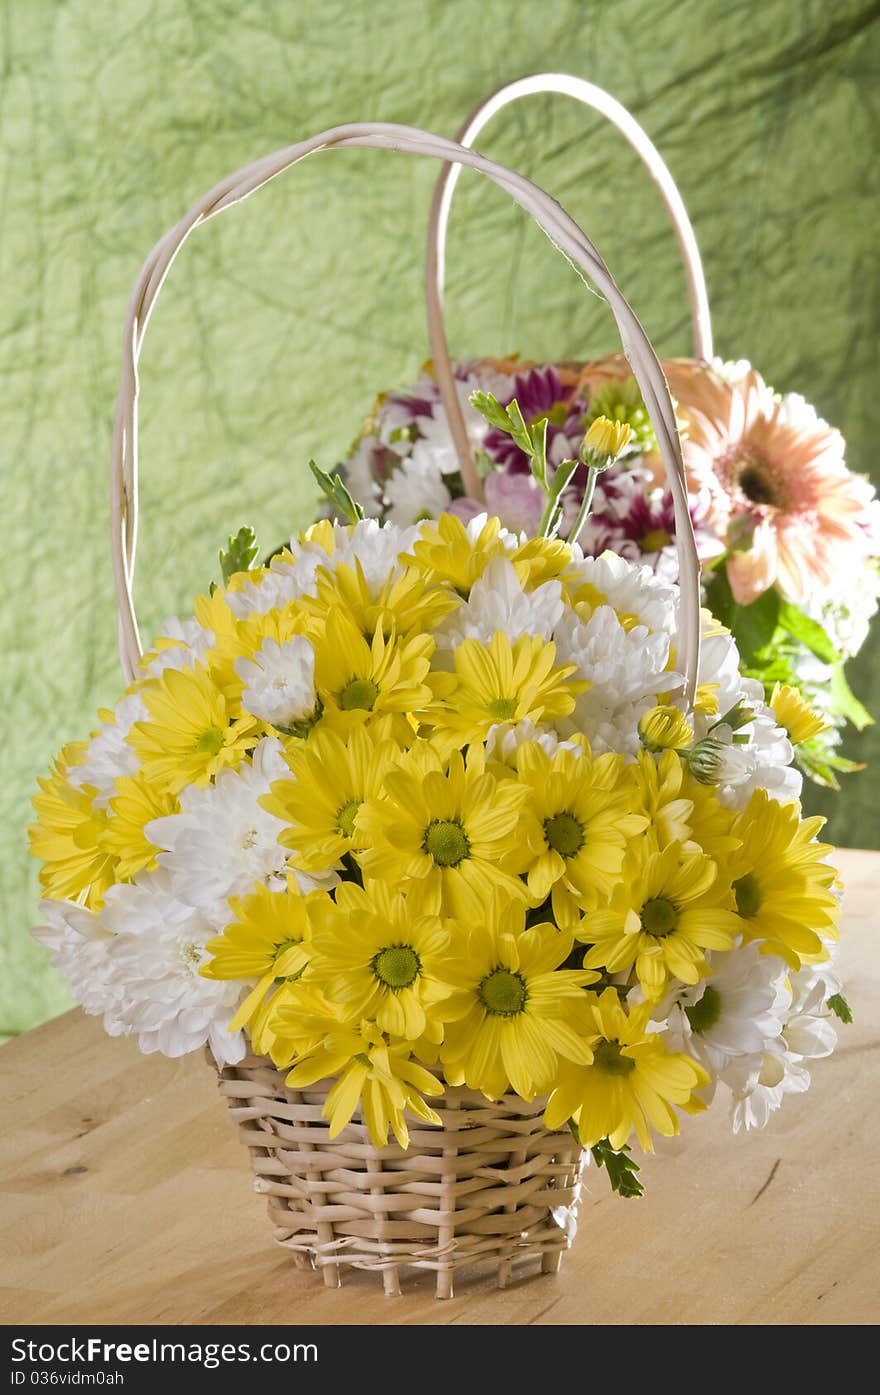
x=540 y=393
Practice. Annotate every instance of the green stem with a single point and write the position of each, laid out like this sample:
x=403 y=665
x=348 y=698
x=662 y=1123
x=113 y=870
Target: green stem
x=560 y=483
x=586 y=504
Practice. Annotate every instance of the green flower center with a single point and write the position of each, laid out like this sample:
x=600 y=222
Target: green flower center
x=446 y=841
x=503 y=993
x=279 y=949
x=502 y=709
x=610 y=1059
x=748 y=895
x=659 y=917
x=359 y=695
x=397 y=967
x=210 y=742
x=345 y=817
x=704 y=1014
x=564 y=834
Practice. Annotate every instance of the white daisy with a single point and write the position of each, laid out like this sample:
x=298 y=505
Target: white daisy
x=279 y=681
x=107 y=755
x=626 y=670
x=736 y=1012
x=416 y=491
x=156 y=951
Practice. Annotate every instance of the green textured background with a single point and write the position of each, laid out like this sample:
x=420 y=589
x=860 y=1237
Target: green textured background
x=282 y=319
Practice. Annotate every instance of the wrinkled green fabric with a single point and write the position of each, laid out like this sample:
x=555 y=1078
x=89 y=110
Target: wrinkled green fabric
x=282 y=319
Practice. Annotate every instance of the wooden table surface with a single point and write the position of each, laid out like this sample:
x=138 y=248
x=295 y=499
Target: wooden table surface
x=125 y=1196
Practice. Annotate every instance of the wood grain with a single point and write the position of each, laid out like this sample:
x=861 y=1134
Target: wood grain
x=126 y=1197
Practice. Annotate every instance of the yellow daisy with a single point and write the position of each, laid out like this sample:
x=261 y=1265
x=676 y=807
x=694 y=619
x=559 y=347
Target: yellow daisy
x=376 y=960
x=540 y=559
x=384 y=1080
x=446 y=832
x=405 y=602
x=633 y=1082
x=579 y=815
x=291 y=1021
x=135 y=804
x=501 y=682
x=188 y=737
x=330 y=780
x=266 y=940
x=667 y=908
x=358 y=677
x=781 y=881
x=69 y=837
x=514 y=1014
x=792 y=713
x=446 y=554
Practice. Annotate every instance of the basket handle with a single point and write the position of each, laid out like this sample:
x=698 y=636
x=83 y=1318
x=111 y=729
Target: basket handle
x=441 y=203
x=562 y=231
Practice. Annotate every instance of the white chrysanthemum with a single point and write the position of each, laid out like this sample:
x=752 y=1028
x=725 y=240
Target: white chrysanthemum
x=156 y=950
x=107 y=755
x=497 y=602
x=279 y=681
x=629 y=589
x=435 y=441
x=223 y=841
x=626 y=670
x=736 y=1012
x=376 y=546
x=719 y=666
x=189 y=644
x=272 y=590
x=80 y=950
x=416 y=491
x=505 y=738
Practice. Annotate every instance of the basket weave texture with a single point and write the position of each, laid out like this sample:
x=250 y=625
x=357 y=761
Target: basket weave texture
x=492 y=1185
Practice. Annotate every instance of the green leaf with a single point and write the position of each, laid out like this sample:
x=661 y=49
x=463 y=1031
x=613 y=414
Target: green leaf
x=845 y=701
x=840 y=1007
x=620 y=1167
x=487 y=405
x=241 y=554
x=752 y=626
x=808 y=632
x=336 y=490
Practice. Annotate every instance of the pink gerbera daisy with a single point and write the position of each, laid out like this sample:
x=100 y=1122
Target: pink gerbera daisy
x=779 y=492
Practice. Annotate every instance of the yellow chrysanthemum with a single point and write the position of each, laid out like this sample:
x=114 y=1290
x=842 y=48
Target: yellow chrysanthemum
x=540 y=559
x=680 y=809
x=664 y=728
x=376 y=960
x=290 y=1022
x=357 y=678
x=445 y=832
x=798 y=718
x=500 y=682
x=265 y=940
x=579 y=815
x=514 y=1010
x=406 y=602
x=446 y=554
x=188 y=737
x=782 y=883
x=633 y=1082
x=383 y=1079
x=604 y=440
x=667 y=908
x=68 y=836
x=135 y=804
x=331 y=777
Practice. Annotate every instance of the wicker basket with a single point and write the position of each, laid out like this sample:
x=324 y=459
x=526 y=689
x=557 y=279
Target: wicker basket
x=493 y=1186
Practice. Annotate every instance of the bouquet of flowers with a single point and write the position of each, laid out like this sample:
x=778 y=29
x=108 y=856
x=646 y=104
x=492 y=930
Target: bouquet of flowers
x=789 y=537
x=423 y=806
